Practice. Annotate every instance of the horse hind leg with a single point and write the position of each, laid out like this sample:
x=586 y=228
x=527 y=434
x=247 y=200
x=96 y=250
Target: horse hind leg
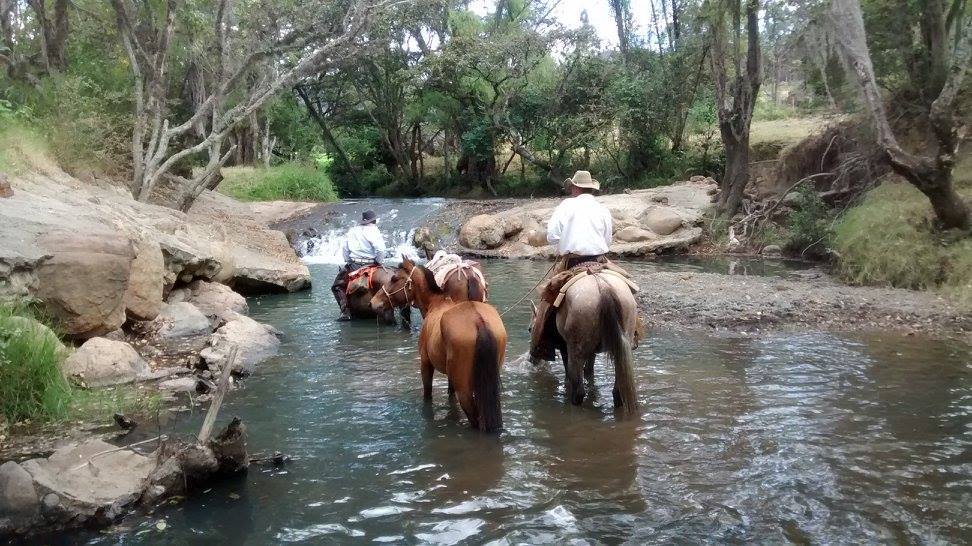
x=574 y=385
x=589 y=368
x=427 y=371
x=468 y=407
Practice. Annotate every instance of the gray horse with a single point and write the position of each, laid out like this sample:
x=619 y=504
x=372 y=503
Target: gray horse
x=598 y=314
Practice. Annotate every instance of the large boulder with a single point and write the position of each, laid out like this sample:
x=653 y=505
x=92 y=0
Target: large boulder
x=85 y=280
x=482 y=232
x=213 y=299
x=634 y=234
x=100 y=362
x=661 y=220
x=91 y=482
x=19 y=502
x=143 y=298
x=256 y=342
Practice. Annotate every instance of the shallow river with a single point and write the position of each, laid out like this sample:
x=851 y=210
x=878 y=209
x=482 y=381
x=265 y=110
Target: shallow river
x=787 y=437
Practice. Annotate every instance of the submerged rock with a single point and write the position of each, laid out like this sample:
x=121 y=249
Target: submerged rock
x=100 y=362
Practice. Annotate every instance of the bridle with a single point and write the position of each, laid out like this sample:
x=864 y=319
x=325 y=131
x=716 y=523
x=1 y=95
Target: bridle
x=404 y=288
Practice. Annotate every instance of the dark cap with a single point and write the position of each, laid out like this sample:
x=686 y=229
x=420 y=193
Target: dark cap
x=368 y=217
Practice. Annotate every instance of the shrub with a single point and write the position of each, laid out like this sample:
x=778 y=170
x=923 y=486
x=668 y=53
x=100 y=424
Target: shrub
x=810 y=225
x=31 y=384
x=290 y=181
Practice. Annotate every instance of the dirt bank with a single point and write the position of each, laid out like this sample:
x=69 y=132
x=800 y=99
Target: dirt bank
x=812 y=299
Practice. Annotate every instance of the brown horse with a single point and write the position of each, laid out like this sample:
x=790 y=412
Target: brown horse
x=359 y=303
x=465 y=340
x=463 y=285
x=598 y=314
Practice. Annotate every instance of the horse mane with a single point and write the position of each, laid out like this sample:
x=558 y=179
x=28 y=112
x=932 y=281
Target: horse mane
x=430 y=283
x=474 y=289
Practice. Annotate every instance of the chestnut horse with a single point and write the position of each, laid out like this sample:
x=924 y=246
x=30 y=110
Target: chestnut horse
x=465 y=340
x=359 y=303
x=460 y=286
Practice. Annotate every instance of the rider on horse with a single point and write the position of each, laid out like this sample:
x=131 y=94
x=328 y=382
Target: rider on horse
x=581 y=230
x=363 y=246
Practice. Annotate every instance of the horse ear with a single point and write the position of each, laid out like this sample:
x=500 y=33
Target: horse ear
x=407 y=264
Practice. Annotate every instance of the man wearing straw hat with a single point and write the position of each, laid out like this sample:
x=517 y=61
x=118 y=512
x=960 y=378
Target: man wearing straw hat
x=363 y=246
x=580 y=228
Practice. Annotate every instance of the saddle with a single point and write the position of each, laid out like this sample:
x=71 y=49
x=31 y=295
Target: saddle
x=444 y=266
x=360 y=279
x=544 y=337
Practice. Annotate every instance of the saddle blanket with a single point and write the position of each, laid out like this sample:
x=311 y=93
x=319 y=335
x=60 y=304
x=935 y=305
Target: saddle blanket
x=361 y=279
x=559 y=284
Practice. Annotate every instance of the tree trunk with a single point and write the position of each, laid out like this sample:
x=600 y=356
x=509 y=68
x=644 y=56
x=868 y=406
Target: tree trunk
x=326 y=132
x=736 y=177
x=620 y=10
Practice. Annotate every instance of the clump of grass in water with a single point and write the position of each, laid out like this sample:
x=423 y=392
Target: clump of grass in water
x=31 y=384
x=291 y=181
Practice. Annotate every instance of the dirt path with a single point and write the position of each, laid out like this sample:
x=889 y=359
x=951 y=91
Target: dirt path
x=751 y=303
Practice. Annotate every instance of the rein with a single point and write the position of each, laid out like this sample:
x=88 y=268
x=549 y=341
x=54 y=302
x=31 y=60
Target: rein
x=404 y=288
x=519 y=301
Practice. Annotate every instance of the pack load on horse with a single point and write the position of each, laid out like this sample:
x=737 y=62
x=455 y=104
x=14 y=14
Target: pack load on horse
x=460 y=278
x=465 y=340
x=587 y=306
x=363 y=275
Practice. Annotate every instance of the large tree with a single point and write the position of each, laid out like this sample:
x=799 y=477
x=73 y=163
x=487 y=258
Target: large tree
x=932 y=175
x=737 y=76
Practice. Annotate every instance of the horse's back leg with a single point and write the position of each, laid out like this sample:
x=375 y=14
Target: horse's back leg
x=574 y=386
x=452 y=390
x=589 y=368
x=468 y=407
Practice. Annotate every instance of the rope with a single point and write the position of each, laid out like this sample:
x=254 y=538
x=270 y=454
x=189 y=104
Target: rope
x=519 y=301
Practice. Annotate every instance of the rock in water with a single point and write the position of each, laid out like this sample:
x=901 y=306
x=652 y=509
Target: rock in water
x=216 y=300
x=257 y=342
x=772 y=251
x=19 y=502
x=661 y=220
x=180 y=320
x=101 y=362
x=94 y=480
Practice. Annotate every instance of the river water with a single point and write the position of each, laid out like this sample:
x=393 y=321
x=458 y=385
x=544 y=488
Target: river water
x=782 y=437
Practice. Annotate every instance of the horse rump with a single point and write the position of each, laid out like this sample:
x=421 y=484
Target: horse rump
x=615 y=343
x=486 y=369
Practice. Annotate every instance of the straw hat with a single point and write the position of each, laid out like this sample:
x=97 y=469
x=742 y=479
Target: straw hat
x=582 y=179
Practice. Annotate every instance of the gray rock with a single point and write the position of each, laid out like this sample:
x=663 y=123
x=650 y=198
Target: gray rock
x=257 y=342
x=634 y=234
x=101 y=362
x=661 y=220
x=772 y=251
x=143 y=297
x=216 y=300
x=18 y=497
x=51 y=504
x=180 y=384
x=481 y=232
x=91 y=486
x=181 y=319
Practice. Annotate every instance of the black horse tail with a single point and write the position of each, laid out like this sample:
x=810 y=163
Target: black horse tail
x=615 y=343
x=474 y=290
x=486 y=389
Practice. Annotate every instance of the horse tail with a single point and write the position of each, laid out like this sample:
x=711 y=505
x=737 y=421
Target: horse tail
x=474 y=290
x=486 y=389
x=615 y=343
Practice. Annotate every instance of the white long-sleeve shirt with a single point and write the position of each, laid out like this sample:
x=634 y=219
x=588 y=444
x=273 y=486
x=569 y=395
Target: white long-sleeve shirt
x=581 y=226
x=364 y=243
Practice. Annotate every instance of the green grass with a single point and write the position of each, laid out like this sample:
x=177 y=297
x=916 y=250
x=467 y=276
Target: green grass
x=889 y=240
x=31 y=384
x=288 y=182
x=22 y=149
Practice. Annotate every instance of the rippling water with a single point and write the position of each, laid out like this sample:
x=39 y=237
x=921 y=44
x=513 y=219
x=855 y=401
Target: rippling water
x=802 y=437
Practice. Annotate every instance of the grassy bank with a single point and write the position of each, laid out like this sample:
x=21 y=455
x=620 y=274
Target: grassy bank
x=32 y=387
x=889 y=240
x=287 y=182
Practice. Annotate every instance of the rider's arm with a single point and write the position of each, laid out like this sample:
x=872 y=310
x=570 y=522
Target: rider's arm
x=608 y=228
x=555 y=226
x=346 y=251
x=377 y=241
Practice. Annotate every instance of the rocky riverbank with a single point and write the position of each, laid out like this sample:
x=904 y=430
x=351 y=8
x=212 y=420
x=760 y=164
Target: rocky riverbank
x=144 y=295
x=810 y=299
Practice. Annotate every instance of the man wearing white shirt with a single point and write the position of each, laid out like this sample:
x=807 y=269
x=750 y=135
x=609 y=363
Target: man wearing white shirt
x=363 y=246
x=581 y=229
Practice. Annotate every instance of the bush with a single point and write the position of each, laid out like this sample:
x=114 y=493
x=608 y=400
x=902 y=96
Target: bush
x=31 y=384
x=291 y=182
x=889 y=239
x=809 y=226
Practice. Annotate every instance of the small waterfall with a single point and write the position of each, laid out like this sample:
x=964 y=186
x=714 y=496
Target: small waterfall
x=397 y=220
